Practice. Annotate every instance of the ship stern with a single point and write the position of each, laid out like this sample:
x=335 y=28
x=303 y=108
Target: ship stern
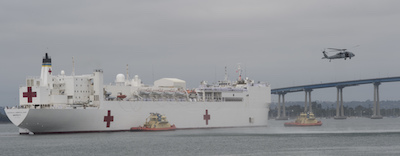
x=17 y=116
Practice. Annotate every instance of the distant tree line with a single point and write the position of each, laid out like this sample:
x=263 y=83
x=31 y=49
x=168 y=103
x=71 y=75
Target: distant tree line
x=293 y=111
x=3 y=117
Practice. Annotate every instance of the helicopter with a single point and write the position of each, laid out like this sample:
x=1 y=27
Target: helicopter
x=341 y=53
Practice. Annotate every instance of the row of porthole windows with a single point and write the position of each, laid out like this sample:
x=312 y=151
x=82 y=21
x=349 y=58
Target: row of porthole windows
x=85 y=91
x=58 y=85
x=63 y=79
x=81 y=85
x=78 y=97
x=81 y=79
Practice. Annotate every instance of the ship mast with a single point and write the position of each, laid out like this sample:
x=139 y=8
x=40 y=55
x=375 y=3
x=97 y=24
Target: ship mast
x=73 y=66
x=226 y=74
x=239 y=70
x=127 y=72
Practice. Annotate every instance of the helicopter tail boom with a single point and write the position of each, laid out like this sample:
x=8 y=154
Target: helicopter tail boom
x=325 y=56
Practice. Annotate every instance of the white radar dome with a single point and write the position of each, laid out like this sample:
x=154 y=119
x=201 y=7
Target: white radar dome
x=62 y=72
x=120 y=78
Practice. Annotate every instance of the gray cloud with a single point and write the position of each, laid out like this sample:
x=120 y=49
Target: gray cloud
x=276 y=41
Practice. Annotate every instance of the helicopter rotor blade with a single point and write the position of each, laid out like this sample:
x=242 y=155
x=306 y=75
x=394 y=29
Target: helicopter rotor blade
x=336 y=49
x=354 y=46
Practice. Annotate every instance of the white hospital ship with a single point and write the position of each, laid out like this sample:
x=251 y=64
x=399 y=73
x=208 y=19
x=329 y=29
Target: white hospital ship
x=81 y=103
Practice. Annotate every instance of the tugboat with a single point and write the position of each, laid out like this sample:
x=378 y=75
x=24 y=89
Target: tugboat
x=155 y=122
x=305 y=119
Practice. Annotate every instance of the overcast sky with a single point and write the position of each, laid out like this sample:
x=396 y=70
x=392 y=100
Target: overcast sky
x=278 y=42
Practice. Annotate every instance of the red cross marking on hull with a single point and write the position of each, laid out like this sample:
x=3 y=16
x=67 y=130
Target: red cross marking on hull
x=108 y=118
x=207 y=117
x=29 y=94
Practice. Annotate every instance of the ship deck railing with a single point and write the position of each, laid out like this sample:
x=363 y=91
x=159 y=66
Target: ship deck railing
x=49 y=106
x=200 y=99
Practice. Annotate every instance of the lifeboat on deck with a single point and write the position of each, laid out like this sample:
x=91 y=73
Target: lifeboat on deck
x=169 y=93
x=180 y=93
x=192 y=93
x=155 y=122
x=157 y=92
x=144 y=92
x=121 y=96
x=305 y=119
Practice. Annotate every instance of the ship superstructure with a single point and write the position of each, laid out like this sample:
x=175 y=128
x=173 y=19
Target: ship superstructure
x=81 y=103
x=61 y=91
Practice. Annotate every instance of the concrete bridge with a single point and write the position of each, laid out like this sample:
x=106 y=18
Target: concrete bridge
x=339 y=104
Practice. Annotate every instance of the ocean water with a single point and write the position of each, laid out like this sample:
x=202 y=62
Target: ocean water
x=353 y=136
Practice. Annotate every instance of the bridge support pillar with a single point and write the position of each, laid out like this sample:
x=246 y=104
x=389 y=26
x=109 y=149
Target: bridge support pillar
x=376 y=110
x=279 y=106
x=307 y=92
x=283 y=115
x=339 y=110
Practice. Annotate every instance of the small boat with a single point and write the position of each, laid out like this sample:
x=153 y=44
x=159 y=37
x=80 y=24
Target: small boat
x=305 y=119
x=155 y=122
x=121 y=97
x=192 y=93
x=144 y=92
x=156 y=92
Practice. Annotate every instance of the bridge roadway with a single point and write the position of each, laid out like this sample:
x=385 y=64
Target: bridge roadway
x=339 y=85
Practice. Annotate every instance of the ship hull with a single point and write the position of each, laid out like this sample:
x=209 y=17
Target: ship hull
x=122 y=115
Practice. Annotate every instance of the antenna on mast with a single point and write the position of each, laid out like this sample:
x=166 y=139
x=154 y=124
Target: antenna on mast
x=152 y=71
x=226 y=74
x=245 y=70
x=73 y=66
x=239 y=70
x=127 y=72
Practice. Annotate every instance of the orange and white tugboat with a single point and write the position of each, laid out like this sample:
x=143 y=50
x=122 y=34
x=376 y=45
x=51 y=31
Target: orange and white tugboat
x=305 y=119
x=155 y=122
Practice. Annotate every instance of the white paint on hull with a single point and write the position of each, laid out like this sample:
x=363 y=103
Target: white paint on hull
x=132 y=114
